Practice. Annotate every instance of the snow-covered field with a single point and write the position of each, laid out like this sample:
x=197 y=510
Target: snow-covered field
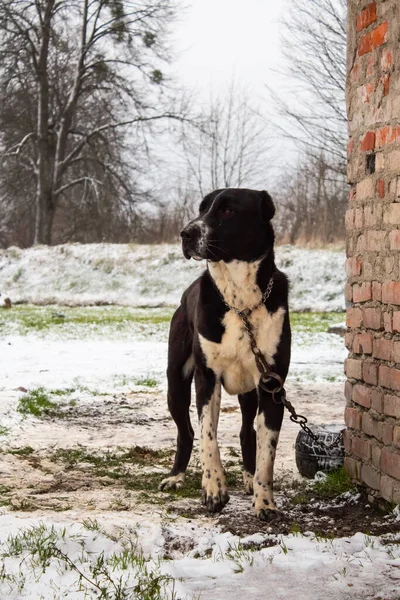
x=81 y=516
x=133 y=275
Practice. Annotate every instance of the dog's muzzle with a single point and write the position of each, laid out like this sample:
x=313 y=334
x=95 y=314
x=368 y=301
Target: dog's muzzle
x=191 y=239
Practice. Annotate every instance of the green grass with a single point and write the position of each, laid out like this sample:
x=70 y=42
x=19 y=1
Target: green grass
x=114 y=465
x=24 y=319
x=315 y=322
x=336 y=483
x=96 y=574
x=36 y=403
x=146 y=382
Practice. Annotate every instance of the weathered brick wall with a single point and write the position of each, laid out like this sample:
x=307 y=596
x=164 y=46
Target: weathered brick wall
x=372 y=388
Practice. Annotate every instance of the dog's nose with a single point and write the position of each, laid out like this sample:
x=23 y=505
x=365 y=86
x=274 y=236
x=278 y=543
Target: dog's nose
x=189 y=232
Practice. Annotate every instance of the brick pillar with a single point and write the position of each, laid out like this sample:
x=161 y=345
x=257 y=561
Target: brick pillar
x=372 y=389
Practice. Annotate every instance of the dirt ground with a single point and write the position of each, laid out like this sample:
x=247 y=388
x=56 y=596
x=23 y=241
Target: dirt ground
x=107 y=454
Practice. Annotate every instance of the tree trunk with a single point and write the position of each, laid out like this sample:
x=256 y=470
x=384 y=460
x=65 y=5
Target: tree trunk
x=44 y=217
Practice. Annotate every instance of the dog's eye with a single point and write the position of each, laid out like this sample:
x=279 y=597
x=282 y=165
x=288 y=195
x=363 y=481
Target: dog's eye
x=226 y=213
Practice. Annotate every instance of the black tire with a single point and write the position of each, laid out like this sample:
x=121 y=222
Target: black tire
x=312 y=457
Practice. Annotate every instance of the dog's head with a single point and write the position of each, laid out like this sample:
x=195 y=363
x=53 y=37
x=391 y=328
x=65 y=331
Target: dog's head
x=233 y=224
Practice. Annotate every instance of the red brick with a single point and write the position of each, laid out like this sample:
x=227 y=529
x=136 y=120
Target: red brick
x=386 y=60
x=366 y=16
x=362 y=343
x=366 y=91
x=391 y=292
x=382 y=136
x=355 y=73
x=368 y=141
x=376 y=291
x=383 y=349
x=389 y=377
x=375 y=240
x=371 y=65
x=376 y=456
x=361 y=448
x=392 y=214
x=353 y=467
x=396 y=321
x=373 y=39
x=354 y=317
x=353 y=368
x=348 y=390
x=385 y=81
x=372 y=215
x=371 y=477
x=348 y=339
x=370 y=372
x=391 y=406
x=352 y=418
x=396 y=352
x=380 y=188
x=396 y=436
x=362 y=292
x=394 y=239
x=386 y=488
x=372 y=318
x=392 y=161
x=362 y=395
x=387 y=434
x=353 y=266
x=371 y=426
x=377 y=401
x=347 y=437
x=390 y=462
x=387 y=322
x=348 y=292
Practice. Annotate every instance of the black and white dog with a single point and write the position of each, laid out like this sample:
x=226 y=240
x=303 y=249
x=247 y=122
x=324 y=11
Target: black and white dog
x=208 y=341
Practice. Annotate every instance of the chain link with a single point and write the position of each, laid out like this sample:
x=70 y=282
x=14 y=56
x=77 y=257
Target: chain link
x=302 y=421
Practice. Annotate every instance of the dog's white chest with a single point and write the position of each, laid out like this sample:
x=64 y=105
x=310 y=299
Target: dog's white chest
x=232 y=359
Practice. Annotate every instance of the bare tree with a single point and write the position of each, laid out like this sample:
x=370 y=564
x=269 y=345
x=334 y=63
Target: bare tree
x=229 y=146
x=311 y=201
x=79 y=84
x=314 y=42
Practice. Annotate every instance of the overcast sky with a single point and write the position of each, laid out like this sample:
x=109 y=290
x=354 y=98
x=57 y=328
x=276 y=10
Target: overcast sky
x=216 y=40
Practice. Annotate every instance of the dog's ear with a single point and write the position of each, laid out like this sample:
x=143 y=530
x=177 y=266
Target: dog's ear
x=267 y=206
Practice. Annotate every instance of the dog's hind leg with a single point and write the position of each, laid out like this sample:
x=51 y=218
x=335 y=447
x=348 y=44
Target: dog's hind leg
x=180 y=376
x=208 y=397
x=248 y=405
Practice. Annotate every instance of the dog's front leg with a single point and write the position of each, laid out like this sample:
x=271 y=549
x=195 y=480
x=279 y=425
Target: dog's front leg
x=208 y=397
x=269 y=421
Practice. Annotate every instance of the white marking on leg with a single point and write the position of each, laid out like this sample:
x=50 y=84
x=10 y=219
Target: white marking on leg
x=174 y=482
x=248 y=482
x=267 y=440
x=213 y=482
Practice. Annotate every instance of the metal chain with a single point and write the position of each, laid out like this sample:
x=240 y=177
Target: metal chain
x=302 y=421
x=266 y=372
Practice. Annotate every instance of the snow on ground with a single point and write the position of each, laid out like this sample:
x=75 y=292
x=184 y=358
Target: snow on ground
x=69 y=527
x=144 y=275
x=219 y=565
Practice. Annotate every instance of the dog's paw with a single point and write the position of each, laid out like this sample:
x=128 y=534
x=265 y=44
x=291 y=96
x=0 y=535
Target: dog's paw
x=214 y=493
x=267 y=514
x=265 y=508
x=174 y=482
x=248 y=482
